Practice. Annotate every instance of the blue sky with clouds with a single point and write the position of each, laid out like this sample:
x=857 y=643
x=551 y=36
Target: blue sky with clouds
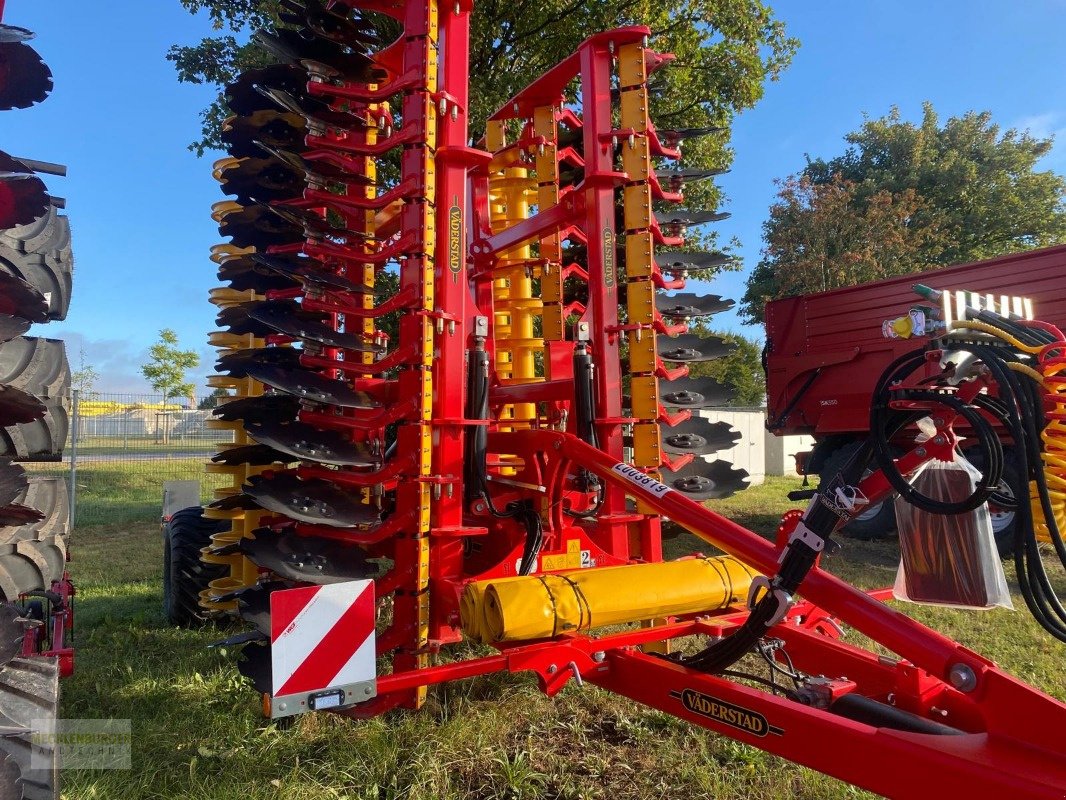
x=139 y=201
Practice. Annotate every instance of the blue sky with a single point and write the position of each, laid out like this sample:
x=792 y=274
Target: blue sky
x=139 y=201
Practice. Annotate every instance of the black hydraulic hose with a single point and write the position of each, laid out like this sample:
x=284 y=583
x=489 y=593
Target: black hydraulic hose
x=476 y=449
x=584 y=396
x=585 y=422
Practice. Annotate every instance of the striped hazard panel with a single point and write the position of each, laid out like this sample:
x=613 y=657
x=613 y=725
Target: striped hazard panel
x=322 y=637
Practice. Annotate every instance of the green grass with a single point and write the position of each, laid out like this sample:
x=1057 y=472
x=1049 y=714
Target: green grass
x=143 y=446
x=123 y=492
x=198 y=735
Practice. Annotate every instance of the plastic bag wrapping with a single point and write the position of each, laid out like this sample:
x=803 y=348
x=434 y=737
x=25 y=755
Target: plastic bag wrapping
x=948 y=559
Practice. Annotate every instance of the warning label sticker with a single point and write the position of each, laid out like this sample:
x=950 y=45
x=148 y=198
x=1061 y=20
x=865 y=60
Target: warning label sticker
x=638 y=478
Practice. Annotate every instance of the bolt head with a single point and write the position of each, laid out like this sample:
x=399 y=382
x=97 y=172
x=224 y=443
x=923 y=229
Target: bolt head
x=962 y=677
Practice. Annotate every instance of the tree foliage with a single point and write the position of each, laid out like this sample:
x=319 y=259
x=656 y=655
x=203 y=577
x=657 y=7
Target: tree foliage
x=741 y=369
x=167 y=365
x=907 y=197
x=84 y=378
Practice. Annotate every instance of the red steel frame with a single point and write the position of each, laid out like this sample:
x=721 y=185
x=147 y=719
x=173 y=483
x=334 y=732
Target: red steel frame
x=1011 y=740
x=58 y=627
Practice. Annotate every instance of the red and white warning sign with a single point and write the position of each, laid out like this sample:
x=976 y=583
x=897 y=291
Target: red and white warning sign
x=322 y=637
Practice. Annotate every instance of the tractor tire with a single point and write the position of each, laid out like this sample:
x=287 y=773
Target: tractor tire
x=1014 y=484
x=878 y=521
x=29 y=693
x=40 y=254
x=49 y=496
x=184 y=574
x=29 y=564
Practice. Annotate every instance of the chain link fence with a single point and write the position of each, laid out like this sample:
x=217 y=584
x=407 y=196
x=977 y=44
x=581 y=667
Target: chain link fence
x=122 y=447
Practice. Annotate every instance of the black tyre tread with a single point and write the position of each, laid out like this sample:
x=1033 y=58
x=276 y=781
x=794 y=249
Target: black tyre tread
x=28 y=565
x=184 y=574
x=29 y=690
x=35 y=365
x=42 y=439
x=881 y=526
x=50 y=496
x=40 y=254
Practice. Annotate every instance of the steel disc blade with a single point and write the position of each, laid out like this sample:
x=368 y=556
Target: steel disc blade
x=685 y=306
x=24 y=78
x=259 y=409
x=312 y=386
x=695 y=393
x=19 y=299
x=253 y=603
x=244 y=275
x=677 y=177
x=257 y=226
x=330 y=24
x=690 y=216
x=313 y=559
x=10 y=327
x=263 y=178
x=319 y=171
x=256 y=455
x=690 y=348
x=672 y=137
x=310 y=270
x=235 y=502
x=13 y=481
x=308 y=443
x=323 y=55
x=245 y=637
x=313 y=110
x=706 y=480
x=244 y=136
x=312 y=223
x=23 y=199
x=12 y=631
x=699 y=436
x=244 y=98
x=234 y=363
x=283 y=318
x=315 y=500
x=254 y=664
x=673 y=261
x=18 y=515
x=18 y=407
x=11 y=34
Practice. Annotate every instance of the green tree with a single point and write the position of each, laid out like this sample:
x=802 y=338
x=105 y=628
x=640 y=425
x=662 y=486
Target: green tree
x=904 y=198
x=741 y=369
x=166 y=368
x=212 y=400
x=84 y=378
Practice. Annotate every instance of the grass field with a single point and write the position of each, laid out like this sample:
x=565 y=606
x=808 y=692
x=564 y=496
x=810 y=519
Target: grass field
x=198 y=734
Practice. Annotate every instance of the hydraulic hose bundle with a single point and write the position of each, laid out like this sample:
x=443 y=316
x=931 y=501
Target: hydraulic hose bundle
x=1027 y=361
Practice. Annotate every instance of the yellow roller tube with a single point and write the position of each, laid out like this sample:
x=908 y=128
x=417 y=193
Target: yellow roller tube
x=544 y=606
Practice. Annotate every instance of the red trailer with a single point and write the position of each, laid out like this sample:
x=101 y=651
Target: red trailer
x=824 y=353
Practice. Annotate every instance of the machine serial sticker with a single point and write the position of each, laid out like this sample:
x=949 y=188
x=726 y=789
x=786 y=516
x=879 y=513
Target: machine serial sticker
x=635 y=476
x=743 y=719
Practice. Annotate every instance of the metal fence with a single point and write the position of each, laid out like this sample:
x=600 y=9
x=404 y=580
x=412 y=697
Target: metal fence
x=122 y=447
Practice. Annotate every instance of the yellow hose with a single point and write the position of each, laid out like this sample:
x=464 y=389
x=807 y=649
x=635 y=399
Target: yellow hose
x=545 y=606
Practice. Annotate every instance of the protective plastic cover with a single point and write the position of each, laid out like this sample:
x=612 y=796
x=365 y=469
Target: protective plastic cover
x=948 y=560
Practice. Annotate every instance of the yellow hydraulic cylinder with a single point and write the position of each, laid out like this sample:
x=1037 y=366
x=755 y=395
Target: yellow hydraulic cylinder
x=545 y=606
